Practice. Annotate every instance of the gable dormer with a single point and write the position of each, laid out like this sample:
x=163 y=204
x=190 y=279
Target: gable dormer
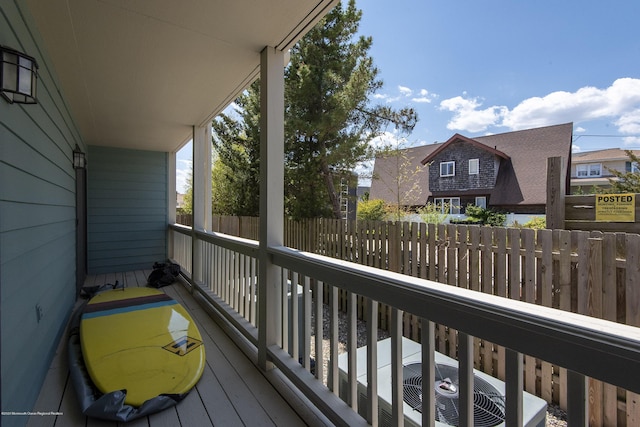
x=463 y=164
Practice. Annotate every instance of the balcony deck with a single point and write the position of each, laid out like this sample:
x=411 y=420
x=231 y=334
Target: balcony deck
x=231 y=392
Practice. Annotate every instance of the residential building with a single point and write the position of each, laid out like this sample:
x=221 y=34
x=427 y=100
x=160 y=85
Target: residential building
x=124 y=85
x=505 y=172
x=591 y=170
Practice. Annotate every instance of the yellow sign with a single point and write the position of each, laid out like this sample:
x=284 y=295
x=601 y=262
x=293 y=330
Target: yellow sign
x=616 y=207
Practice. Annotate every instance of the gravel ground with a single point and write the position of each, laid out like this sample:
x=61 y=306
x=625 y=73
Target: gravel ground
x=556 y=417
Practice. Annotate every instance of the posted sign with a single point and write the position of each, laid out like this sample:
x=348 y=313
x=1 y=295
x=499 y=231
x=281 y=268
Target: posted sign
x=616 y=207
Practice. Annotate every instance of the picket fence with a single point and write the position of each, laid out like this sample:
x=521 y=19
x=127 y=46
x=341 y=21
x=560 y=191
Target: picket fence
x=592 y=273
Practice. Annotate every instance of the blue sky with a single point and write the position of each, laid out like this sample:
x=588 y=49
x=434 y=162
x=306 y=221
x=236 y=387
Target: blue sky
x=492 y=66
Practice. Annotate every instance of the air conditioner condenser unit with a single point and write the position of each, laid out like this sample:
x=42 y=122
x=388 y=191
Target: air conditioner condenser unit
x=489 y=392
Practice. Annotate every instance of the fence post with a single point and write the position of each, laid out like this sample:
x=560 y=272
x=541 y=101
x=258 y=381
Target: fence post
x=556 y=190
x=632 y=295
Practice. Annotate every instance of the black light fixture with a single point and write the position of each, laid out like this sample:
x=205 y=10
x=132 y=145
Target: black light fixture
x=18 y=76
x=79 y=159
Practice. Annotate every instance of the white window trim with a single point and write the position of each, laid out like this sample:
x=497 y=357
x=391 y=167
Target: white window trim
x=452 y=202
x=453 y=168
x=586 y=170
x=475 y=169
x=483 y=204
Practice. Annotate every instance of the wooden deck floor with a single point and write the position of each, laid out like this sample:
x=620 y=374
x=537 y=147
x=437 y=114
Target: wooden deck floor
x=231 y=392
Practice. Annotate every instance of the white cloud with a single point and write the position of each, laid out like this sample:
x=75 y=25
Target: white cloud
x=405 y=91
x=422 y=96
x=629 y=122
x=387 y=139
x=382 y=141
x=575 y=148
x=425 y=97
x=587 y=103
x=183 y=173
x=467 y=116
x=579 y=129
x=620 y=103
x=631 y=140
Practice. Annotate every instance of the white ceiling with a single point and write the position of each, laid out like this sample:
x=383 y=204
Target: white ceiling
x=140 y=73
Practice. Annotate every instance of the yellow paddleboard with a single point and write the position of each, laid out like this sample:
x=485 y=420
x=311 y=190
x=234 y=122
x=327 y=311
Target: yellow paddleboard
x=142 y=341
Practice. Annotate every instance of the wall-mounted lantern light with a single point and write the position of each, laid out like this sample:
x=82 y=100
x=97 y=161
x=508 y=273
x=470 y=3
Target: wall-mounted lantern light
x=18 y=76
x=79 y=159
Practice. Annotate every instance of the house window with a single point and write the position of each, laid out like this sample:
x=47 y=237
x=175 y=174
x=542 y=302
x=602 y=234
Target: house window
x=450 y=205
x=635 y=167
x=474 y=166
x=589 y=170
x=481 y=202
x=447 y=168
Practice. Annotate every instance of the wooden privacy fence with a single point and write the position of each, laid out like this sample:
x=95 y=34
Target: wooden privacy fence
x=579 y=212
x=592 y=273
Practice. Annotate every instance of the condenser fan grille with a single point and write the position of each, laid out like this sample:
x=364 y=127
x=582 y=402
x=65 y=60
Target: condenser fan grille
x=412 y=388
x=488 y=404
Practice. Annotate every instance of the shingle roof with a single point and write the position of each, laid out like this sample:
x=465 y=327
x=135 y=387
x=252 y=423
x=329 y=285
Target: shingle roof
x=402 y=175
x=520 y=181
x=601 y=155
x=457 y=138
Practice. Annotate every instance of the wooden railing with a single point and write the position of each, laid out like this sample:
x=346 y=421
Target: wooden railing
x=590 y=273
x=224 y=271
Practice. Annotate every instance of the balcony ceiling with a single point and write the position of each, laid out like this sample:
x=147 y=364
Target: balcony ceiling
x=140 y=73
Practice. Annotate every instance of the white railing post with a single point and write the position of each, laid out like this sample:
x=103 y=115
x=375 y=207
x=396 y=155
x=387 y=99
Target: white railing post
x=397 y=413
x=201 y=197
x=577 y=408
x=428 y=372
x=372 y=362
x=171 y=203
x=465 y=356
x=271 y=194
x=513 y=387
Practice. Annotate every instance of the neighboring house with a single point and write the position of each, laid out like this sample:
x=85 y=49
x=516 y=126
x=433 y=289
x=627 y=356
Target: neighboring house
x=506 y=172
x=179 y=200
x=592 y=169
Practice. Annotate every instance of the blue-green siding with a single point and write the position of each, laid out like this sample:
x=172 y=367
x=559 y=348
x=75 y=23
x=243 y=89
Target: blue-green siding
x=127 y=214
x=37 y=223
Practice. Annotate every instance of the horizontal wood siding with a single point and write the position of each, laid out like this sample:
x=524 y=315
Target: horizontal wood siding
x=127 y=199
x=37 y=222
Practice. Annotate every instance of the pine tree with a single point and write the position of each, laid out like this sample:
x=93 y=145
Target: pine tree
x=328 y=123
x=329 y=120
x=236 y=171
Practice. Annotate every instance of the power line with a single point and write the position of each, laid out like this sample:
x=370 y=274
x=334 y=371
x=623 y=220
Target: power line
x=576 y=137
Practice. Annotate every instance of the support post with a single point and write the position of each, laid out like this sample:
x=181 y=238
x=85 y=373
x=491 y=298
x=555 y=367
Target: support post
x=171 y=202
x=556 y=191
x=577 y=408
x=271 y=195
x=514 y=387
x=201 y=197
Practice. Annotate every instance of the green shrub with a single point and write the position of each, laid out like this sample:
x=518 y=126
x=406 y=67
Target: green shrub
x=372 y=210
x=433 y=214
x=537 y=223
x=478 y=215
